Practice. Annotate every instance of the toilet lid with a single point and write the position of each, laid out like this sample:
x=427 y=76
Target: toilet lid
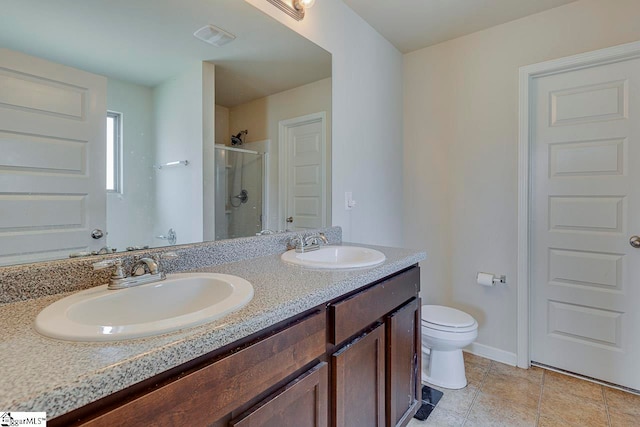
x=446 y=316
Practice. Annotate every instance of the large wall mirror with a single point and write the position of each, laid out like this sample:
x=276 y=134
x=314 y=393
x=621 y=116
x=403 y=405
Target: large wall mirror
x=120 y=130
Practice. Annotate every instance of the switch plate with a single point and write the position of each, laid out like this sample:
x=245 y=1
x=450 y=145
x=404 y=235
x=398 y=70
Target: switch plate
x=349 y=203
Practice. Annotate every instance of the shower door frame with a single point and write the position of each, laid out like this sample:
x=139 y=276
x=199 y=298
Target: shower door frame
x=265 y=173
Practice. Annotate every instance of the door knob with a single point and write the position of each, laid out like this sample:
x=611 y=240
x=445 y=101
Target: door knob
x=290 y=219
x=97 y=234
x=635 y=241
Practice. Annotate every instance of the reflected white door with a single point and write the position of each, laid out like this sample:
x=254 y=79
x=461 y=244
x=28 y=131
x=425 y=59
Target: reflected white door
x=303 y=186
x=52 y=159
x=585 y=206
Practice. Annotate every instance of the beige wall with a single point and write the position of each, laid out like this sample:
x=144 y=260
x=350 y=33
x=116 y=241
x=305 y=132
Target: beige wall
x=461 y=148
x=262 y=116
x=366 y=119
x=127 y=213
x=179 y=131
x=222 y=125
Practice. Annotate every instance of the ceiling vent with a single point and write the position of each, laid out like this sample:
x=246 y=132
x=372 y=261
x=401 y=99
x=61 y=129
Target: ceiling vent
x=214 y=35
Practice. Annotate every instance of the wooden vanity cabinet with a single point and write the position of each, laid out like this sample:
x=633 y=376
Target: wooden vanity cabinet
x=358 y=382
x=212 y=392
x=376 y=353
x=403 y=387
x=301 y=403
x=351 y=362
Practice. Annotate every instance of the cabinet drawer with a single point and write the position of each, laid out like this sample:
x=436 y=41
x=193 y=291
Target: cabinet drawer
x=302 y=403
x=203 y=396
x=355 y=313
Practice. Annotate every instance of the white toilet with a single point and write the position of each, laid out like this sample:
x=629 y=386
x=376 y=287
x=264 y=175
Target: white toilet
x=445 y=331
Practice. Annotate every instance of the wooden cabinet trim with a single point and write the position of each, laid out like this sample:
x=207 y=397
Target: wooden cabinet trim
x=203 y=396
x=314 y=381
x=403 y=383
x=349 y=387
x=351 y=315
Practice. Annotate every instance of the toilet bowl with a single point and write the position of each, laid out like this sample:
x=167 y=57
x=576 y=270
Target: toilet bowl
x=445 y=331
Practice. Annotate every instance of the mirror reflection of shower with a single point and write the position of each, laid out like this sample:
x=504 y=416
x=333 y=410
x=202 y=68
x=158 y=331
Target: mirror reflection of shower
x=238 y=139
x=243 y=196
x=237 y=193
x=239 y=177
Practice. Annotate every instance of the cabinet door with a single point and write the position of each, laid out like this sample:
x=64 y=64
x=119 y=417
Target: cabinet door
x=403 y=363
x=359 y=381
x=302 y=403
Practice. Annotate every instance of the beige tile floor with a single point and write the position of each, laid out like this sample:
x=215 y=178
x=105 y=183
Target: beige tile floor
x=501 y=395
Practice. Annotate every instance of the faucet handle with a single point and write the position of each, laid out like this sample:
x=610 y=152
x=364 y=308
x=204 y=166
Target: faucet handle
x=106 y=263
x=169 y=255
x=118 y=273
x=315 y=239
x=163 y=256
x=295 y=242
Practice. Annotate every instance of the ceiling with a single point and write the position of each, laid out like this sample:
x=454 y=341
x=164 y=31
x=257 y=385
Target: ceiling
x=415 y=24
x=147 y=42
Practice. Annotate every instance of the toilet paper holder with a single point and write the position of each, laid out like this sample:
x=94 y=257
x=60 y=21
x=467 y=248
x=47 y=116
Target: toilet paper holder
x=490 y=279
x=500 y=279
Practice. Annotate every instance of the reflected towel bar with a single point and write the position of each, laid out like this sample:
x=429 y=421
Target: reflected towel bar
x=169 y=164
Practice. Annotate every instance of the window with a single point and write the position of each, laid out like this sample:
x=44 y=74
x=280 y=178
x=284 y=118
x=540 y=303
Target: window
x=114 y=152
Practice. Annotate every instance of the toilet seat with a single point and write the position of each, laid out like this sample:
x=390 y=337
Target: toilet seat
x=445 y=331
x=447 y=319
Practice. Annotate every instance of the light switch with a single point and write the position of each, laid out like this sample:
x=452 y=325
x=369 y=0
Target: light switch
x=349 y=203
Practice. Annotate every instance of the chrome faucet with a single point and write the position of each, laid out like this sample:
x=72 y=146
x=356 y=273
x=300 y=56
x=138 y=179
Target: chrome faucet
x=306 y=244
x=117 y=276
x=104 y=250
x=138 y=268
x=139 y=275
x=315 y=239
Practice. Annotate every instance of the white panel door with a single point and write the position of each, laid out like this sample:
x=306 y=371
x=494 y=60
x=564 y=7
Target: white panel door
x=52 y=159
x=585 y=207
x=305 y=177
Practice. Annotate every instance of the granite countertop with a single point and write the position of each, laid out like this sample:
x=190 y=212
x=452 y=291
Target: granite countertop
x=44 y=374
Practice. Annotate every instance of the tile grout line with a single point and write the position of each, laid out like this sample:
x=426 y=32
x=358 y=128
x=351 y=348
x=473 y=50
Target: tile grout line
x=544 y=375
x=606 y=405
x=475 y=396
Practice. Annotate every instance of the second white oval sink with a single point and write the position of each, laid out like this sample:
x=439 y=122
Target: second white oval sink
x=180 y=301
x=335 y=257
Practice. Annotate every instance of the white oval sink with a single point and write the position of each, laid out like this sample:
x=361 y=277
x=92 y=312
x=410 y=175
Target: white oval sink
x=335 y=257
x=180 y=301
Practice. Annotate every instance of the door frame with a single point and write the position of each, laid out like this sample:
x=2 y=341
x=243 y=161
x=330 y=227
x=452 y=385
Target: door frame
x=527 y=75
x=283 y=132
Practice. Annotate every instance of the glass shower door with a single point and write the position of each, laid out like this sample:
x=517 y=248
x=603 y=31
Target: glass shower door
x=239 y=188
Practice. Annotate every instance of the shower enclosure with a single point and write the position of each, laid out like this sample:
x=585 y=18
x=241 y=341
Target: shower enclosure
x=239 y=175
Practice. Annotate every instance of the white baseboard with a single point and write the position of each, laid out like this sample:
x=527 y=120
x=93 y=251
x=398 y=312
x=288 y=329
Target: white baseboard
x=492 y=353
